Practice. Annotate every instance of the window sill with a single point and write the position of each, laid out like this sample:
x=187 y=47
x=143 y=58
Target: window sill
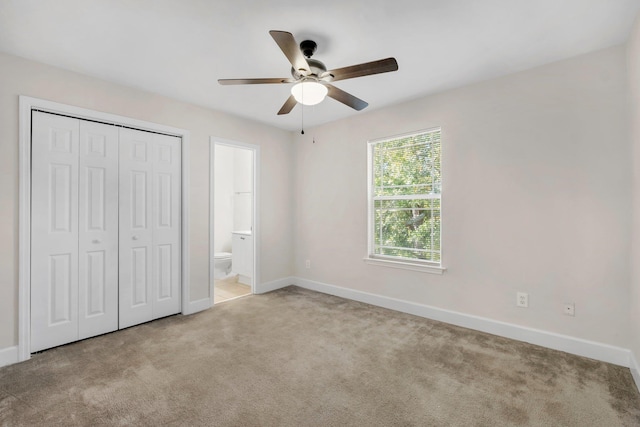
x=432 y=269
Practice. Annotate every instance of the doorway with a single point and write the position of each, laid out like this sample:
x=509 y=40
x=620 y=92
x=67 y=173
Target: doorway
x=233 y=198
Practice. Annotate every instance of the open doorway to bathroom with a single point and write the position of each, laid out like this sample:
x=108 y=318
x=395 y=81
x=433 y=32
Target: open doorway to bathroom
x=233 y=219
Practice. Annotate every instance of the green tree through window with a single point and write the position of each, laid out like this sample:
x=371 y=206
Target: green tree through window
x=405 y=186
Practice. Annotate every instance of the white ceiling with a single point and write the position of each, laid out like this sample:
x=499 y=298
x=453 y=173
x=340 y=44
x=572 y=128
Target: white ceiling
x=180 y=48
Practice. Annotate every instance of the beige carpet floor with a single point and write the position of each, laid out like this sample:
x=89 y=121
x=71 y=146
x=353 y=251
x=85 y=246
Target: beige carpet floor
x=299 y=358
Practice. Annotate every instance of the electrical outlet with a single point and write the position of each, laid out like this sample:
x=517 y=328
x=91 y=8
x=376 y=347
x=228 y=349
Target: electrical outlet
x=570 y=309
x=307 y=263
x=522 y=299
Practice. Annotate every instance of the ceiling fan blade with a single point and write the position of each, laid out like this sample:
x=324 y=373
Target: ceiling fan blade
x=346 y=98
x=291 y=50
x=360 y=70
x=254 y=81
x=288 y=105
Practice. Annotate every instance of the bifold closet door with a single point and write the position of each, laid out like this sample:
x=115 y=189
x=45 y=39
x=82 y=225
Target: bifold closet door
x=166 y=223
x=98 y=229
x=150 y=202
x=74 y=230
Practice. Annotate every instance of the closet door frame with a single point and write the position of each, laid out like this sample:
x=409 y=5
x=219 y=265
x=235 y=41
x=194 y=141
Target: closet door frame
x=26 y=105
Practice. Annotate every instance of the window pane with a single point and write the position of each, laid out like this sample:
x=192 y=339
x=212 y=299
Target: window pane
x=407 y=228
x=409 y=165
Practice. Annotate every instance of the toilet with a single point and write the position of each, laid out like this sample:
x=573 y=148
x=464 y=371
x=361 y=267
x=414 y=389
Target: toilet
x=221 y=264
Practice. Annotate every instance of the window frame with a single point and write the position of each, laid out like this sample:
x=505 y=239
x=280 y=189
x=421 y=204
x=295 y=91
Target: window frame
x=389 y=260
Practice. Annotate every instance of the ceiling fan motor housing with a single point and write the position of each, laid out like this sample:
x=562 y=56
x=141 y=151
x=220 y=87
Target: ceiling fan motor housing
x=317 y=69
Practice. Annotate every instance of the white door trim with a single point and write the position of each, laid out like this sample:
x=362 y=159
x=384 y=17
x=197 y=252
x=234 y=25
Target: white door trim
x=255 y=278
x=24 y=239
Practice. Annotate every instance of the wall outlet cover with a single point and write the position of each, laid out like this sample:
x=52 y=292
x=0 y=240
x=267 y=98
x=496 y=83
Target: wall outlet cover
x=522 y=299
x=570 y=309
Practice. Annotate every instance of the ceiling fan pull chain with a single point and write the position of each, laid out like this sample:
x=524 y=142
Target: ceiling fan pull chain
x=302 y=112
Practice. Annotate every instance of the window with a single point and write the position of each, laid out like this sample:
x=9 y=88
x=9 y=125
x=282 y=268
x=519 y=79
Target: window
x=404 y=199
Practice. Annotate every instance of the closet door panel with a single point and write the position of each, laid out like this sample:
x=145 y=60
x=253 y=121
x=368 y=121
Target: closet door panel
x=166 y=224
x=98 y=229
x=136 y=231
x=54 y=231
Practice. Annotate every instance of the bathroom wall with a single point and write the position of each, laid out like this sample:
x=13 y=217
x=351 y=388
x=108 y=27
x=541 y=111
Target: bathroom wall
x=242 y=188
x=233 y=182
x=223 y=204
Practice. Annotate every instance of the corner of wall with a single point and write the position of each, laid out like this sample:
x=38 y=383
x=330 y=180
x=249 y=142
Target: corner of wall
x=195 y=306
x=633 y=66
x=8 y=356
x=634 y=367
x=263 y=288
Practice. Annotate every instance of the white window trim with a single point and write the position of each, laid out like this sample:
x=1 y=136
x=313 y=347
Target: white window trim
x=405 y=264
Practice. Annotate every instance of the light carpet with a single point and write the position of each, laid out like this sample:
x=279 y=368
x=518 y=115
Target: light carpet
x=294 y=357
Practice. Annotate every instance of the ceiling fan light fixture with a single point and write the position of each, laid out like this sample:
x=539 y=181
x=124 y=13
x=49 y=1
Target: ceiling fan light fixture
x=309 y=92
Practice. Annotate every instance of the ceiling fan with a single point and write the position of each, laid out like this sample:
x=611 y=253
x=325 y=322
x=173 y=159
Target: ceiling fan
x=311 y=78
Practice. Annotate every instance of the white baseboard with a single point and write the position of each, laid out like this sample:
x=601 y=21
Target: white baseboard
x=594 y=350
x=196 y=306
x=263 y=288
x=8 y=356
x=635 y=369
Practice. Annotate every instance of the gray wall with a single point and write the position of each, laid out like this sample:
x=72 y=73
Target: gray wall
x=536 y=198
